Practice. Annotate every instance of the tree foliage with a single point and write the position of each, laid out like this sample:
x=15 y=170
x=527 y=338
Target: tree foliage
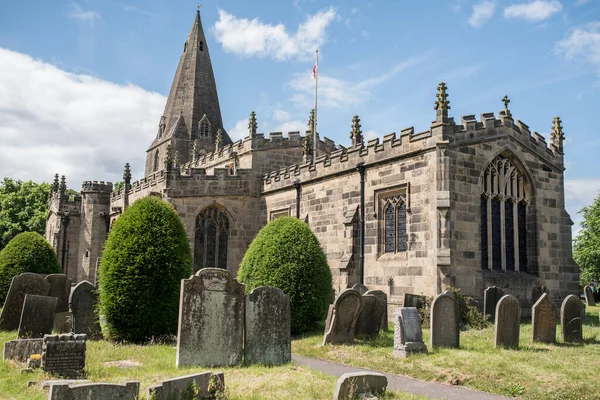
x=286 y=254
x=144 y=260
x=26 y=252
x=586 y=247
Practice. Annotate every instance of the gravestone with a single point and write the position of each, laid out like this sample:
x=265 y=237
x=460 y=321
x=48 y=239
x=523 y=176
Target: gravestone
x=543 y=320
x=83 y=302
x=26 y=283
x=408 y=337
x=571 y=319
x=381 y=294
x=179 y=388
x=60 y=287
x=360 y=288
x=589 y=295
x=95 y=391
x=507 y=322
x=64 y=355
x=491 y=296
x=63 y=322
x=413 y=300
x=445 y=321
x=21 y=349
x=354 y=384
x=371 y=314
x=537 y=292
x=342 y=317
x=37 y=316
x=267 y=335
x=211 y=320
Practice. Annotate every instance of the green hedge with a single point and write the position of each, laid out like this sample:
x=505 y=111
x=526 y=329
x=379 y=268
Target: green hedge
x=286 y=254
x=145 y=258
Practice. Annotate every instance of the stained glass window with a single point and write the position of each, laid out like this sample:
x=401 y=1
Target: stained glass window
x=484 y=233
x=496 y=238
x=402 y=227
x=390 y=225
x=509 y=232
x=521 y=211
x=211 y=241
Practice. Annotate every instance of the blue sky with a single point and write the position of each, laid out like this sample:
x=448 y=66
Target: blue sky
x=83 y=83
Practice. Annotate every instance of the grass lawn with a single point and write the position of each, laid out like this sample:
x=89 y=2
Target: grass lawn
x=534 y=371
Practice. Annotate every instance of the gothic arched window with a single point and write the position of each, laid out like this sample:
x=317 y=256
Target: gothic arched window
x=212 y=235
x=201 y=45
x=395 y=225
x=504 y=202
x=204 y=127
x=185 y=47
x=155 y=161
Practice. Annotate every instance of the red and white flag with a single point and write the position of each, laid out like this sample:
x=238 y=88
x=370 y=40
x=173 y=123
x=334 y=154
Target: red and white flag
x=314 y=72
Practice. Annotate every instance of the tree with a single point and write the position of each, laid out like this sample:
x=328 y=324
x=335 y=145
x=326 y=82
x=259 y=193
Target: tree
x=118 y=185
x=286 y=254
x=144 y=260
x=586 y=248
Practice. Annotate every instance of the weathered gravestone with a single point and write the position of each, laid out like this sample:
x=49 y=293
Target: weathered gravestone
x=60 y=287
x=491 y=297
x=211 y=320
x=37 y=316
x=342 y=317
x=408 y=336
x=64 y=355
x=371 y=314
x=83 y=301
x=63 y=322
x=183 y=387
x=26 y=283
x=354 y=384
x=508 y=322
x=267 y=335
x=21 y=349
x=589 y=295
x=571 y=319
x=413 y=300
x=360 y=288
x=95 y=391
x=445 y=321
x=543 y=320
x=384 y=318
x=537 y=292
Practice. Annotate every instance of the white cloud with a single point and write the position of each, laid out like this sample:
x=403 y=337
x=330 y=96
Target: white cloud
x=534 y=11
x=281 y=115
x=292 y=126
x=582 y=44
x=371 y=134
x=239 y=130
x=250 y=38
x=52 y=121
x=85 y=16
x=482 y=13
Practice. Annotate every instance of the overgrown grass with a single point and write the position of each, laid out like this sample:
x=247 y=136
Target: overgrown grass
x=534 y=371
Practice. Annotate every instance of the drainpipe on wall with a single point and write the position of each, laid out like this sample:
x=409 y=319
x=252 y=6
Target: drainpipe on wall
x=298 y=190
x=361 y=266
x=65 y=222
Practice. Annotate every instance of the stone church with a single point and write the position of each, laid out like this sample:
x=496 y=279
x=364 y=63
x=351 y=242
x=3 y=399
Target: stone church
x=469 y=204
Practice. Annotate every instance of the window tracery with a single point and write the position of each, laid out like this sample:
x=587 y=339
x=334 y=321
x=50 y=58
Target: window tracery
x=212 y=235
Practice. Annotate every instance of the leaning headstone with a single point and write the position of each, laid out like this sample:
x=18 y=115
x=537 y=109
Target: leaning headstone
x=64 y=355
x=589 y=295
x=383 y=296
x=355 y=385
x=491 y=297
x=408 y=336
x=21 y=349
x=211 y=320
x=95 y=391
x=508 y=322
x=445 y=321
x=343 y=314
x=267 y=335
x=26 y=283
x=60 y=287
x=543 y=320
x=184 y=387
x=413 y=300
x=37 y=316
x=360 y=288
x=570 y=319
x=83 y=302
x=370 y=316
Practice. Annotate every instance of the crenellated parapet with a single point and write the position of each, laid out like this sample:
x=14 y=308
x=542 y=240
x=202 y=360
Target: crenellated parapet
x=96 y=187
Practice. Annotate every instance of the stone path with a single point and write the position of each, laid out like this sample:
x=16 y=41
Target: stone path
x=401 y=383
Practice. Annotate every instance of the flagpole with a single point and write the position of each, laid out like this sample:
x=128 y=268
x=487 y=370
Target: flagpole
x=315 y=122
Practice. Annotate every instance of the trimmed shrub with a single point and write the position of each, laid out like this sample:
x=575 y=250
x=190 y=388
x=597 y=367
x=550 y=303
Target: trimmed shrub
x=286 y=254
x=469 y=314
x=144 y=260
x=26 y=252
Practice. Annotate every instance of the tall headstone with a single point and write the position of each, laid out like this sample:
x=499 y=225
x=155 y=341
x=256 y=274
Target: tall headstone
x=21 y=285
x=381 y=294
x=64 y=355
x=543 y=320
x=184 y=387
x=445 y=321
x=83 y=302
x=589 y=295
x=342 y=317
x=491 y=296
x=571 y=321
x=267 y=337
x=508 y=322
x=37 y=316
x=211 y=320
x=95 y=391
x=370 y=316
x=408 y=336
x=60 y=287
x=360 y=288
x=364 y=385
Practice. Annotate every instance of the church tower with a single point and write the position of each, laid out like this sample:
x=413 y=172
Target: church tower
x=192 y=115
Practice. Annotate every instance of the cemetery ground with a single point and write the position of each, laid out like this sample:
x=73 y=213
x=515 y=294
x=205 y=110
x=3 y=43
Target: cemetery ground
x=533 y=371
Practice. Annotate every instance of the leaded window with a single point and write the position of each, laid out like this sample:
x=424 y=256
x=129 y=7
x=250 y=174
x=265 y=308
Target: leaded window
x=155 y=161
x=212 y=235
x=395 y=225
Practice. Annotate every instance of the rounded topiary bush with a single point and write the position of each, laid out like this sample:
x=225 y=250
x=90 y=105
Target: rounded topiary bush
x=26 y=252
x=144 y=260
x=286 y=254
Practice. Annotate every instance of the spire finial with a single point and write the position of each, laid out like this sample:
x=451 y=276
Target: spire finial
x=506 y=101
x=168 y=161
x=252 y=124
x=557 y=136
x=442 y=101
x=311 y=121
x=356 y=133
x=194 y=150
x=307 y=149
x=176 y=159
x=55 y=185
x=63 y=186
x=127 y=174
x=219 y=140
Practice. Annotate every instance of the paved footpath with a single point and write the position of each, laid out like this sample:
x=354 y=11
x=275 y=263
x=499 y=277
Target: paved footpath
x=401 y=383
